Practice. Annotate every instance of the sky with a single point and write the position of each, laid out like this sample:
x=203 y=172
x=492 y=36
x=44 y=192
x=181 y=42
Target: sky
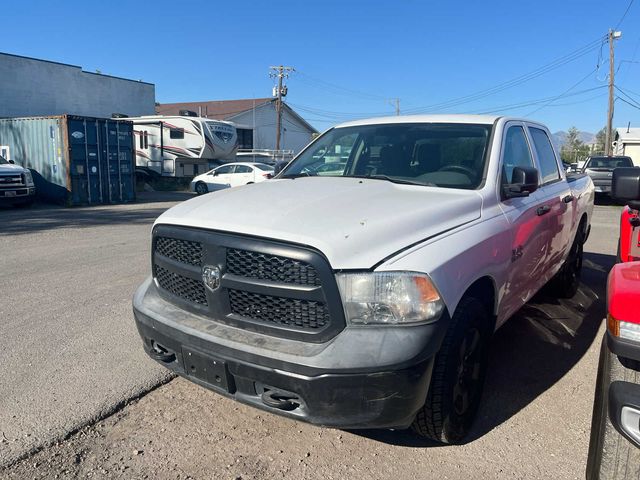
x=545 y=60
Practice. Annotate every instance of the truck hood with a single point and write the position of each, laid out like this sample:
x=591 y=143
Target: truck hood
x=10 y=169
x=354 y=222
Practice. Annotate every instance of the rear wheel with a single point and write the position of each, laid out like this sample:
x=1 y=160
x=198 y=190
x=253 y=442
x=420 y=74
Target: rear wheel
x=458 y=376
x=201 y=188
x=566 y=282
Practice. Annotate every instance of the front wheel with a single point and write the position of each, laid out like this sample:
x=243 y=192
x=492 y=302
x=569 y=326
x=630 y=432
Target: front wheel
x=201 y=188
x=458 y=376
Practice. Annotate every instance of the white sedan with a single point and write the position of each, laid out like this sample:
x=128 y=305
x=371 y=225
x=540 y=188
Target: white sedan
x=231 y=175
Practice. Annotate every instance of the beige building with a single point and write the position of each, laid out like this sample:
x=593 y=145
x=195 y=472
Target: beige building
x=626 y=141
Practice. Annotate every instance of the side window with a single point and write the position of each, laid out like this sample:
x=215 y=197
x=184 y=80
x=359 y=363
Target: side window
x=516 y=153
x=146 y=140
x=548 y=164
x=176 y=133
x=141 y=136
x=243 y=169
x=225 y=169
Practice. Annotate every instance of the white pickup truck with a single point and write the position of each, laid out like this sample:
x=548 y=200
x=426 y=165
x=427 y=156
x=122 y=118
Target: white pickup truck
x=365 y=288
x=16 y=184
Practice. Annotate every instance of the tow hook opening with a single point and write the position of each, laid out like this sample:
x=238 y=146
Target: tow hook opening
x=280 y=400
x=160 y=353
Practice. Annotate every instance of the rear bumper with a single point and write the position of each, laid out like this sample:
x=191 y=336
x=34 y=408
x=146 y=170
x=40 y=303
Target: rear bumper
x=344 y=383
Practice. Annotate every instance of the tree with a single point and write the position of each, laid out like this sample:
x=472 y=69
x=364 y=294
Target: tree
x=574 y=149
x=601 y=138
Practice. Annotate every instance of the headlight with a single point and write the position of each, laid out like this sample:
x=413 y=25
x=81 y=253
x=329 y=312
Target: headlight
x=389 y=298
x=28 y=178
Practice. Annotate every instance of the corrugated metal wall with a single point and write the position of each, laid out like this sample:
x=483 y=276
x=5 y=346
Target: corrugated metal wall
x=76 y=160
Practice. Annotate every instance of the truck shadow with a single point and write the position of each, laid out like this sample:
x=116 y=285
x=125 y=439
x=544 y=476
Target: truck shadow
x=16 y=221
x=532 y=352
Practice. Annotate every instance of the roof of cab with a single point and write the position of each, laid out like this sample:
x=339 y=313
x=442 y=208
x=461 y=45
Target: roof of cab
x=477 y=119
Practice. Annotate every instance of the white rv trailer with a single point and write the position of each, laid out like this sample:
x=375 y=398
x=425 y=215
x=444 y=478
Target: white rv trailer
x=182 y=145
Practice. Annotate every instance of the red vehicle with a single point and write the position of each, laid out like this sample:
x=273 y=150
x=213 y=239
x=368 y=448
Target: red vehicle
x=614 y=447
x=629 y=235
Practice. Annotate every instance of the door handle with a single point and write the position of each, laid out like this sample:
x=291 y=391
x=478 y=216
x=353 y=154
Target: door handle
x=542 y=210
x=568 y=199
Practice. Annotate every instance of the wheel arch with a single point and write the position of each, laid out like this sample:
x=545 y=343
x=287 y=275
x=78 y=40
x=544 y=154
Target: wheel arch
x=484 y=290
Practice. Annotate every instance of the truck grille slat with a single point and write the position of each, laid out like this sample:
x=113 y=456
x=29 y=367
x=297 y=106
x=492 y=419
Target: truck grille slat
x=281 y=311
x=270 y=267
x=183 y=251
x=183 y=287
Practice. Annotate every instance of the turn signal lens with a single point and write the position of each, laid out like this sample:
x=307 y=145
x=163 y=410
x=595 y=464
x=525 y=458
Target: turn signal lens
x=389 y=298
x=621 y=329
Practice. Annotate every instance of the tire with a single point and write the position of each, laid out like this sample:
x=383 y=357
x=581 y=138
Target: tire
x=566 y=282
x=201 y=188
x=458 y=376
x=611 y=456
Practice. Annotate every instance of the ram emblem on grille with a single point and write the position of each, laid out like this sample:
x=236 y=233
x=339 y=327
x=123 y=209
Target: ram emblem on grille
x=211 y=277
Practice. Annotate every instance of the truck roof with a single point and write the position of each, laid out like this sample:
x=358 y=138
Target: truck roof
x=449 y=118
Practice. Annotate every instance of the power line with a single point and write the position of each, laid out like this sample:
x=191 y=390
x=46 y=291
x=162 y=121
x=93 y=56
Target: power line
x=563 y=94
x=628 y=103
x=628 y=96
x=624 y=14
x=538 y=101
x=333 y=88
x=580 y=52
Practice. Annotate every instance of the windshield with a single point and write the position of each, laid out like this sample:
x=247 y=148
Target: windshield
x=609 y=162
x=443 y=155
x=3 y=160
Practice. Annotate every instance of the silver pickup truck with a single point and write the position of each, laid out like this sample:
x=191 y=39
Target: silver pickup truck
x=600 y=169
x=361 y=287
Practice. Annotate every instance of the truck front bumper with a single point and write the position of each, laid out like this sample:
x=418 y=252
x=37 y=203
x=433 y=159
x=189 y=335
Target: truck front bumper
x=362 y=378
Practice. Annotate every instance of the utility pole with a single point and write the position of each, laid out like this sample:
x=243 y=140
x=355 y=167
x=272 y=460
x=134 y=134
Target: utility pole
x=613 y=35
x=280 y=72
x=395 y=102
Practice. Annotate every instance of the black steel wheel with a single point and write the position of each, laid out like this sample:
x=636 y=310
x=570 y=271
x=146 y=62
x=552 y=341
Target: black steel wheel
x=458 y=376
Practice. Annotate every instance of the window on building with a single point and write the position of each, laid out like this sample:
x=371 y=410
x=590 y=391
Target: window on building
x=245 y=138
x=176 y=133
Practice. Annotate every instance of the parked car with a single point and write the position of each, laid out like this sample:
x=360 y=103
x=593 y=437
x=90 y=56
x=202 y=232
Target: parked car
x=231 y=175
x=600 y=169
x=16 y=184
x=367 y=297
x=614 y=447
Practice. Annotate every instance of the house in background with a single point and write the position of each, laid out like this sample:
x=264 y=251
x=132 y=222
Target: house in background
x=255 y=120
x=626 y=141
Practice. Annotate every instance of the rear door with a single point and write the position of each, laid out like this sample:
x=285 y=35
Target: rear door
x=558 y=205
x=243 y=174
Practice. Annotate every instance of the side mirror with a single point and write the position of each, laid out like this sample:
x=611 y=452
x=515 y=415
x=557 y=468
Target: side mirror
x=11 y=161
x=214 y=173
x=524 y=181
x=625 y=186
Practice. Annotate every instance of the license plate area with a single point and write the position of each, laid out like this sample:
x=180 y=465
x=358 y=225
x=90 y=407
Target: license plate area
x=10 y=193
x=207 y=369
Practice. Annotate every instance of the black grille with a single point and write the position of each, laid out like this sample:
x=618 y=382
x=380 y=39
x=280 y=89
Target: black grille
x=304 y=314
x=183 y=287
x=270 y=267
x=183 y=251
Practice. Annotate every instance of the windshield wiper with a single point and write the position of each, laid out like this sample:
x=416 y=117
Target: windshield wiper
x=297 y=175
x=395 y=180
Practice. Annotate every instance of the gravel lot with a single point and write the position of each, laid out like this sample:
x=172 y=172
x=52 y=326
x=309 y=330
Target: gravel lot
x=534 y=421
